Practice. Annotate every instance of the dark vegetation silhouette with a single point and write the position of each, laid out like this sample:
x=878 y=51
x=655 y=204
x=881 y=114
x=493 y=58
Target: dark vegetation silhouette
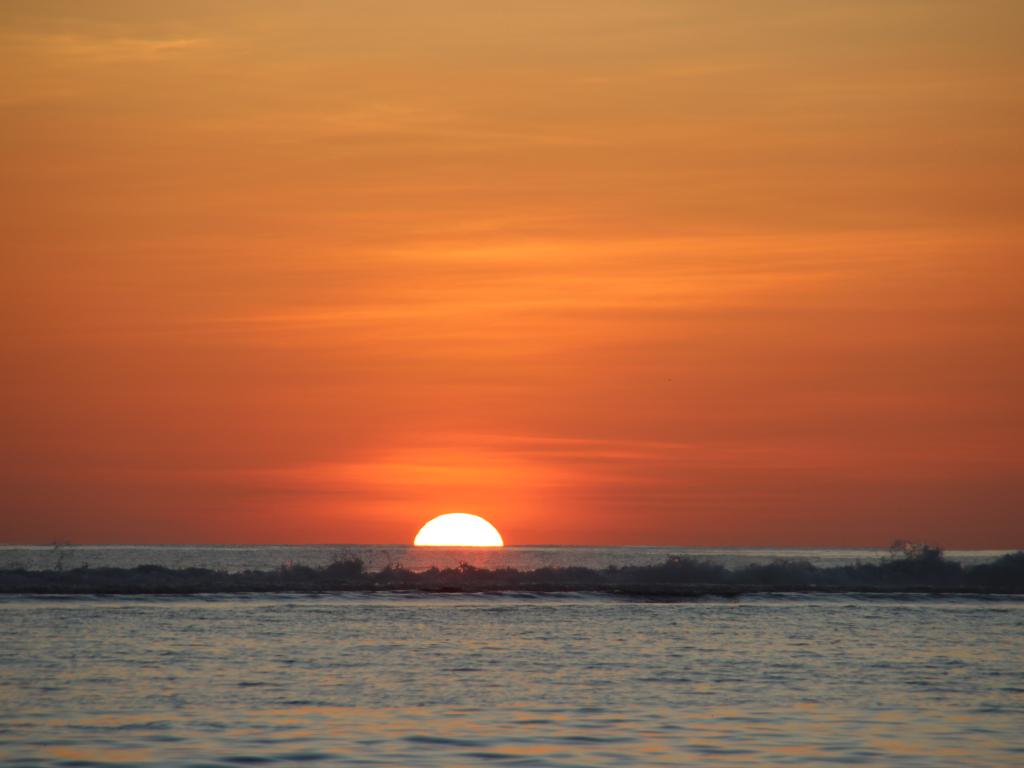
x=911 y=567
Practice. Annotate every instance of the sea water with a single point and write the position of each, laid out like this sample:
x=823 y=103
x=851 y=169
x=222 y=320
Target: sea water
x=513 y=679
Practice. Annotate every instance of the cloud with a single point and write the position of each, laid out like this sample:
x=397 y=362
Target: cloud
x=504 y=463
x=105 y=48
x=544 y=294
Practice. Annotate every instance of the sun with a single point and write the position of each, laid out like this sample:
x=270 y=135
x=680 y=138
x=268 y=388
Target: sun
x=458 y=529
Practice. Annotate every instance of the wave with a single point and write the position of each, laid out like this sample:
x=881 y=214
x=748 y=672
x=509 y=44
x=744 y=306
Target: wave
x=913 y=569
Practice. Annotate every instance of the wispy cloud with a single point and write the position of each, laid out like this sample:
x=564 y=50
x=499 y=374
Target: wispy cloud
x=100 y=48
x=449 y=293
x=520 y=463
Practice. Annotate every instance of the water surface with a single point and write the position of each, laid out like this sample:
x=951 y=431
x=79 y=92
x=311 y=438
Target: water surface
x=569 y=680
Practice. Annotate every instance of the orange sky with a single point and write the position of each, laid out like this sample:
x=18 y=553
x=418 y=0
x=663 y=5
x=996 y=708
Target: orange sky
x=602 y=272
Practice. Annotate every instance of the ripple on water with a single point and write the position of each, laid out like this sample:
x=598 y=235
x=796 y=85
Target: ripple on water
x=384 y=680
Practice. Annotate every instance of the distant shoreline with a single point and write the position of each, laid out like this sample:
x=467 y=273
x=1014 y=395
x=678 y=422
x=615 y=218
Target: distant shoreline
x=922 y=571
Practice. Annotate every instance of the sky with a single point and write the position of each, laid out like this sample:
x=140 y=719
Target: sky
x=674 y=273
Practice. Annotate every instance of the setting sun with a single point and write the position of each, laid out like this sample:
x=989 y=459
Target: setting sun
x=458 y=529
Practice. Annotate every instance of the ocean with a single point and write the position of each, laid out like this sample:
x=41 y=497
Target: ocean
x=515 y=679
